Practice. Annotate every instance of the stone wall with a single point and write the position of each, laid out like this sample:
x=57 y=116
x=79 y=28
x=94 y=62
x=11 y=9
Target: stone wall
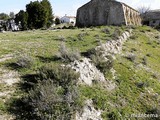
x=106 y=12
x=88 y=73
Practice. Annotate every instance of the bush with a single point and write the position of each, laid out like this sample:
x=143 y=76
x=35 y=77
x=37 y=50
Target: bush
x=61 y=75
x=144 y=60
x=61 y=38
x=133 y=37
x=49 y=102
x=56 y=96
x=131 y=57
x=106 y=30
x=81 y=36
x=116 y=33
x=24 y=61
x=103 y=63
x=68 y=55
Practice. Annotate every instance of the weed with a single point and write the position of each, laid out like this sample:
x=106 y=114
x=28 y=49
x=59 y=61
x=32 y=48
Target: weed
x=24 y=61
x=133 y=37
x=106 y=30
x=144 y=60
x=61 y=75
x=103 y=63
x=131 y=57
x=116 y=33
x=133 y=49
x=49 y=102
x=157 y=37
x=61 y=38
x=68 y=55
x=148 y=55
x=82 y=35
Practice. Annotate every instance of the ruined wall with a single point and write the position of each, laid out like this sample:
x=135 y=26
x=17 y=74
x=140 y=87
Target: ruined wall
x=100 y=12
x=106 y=12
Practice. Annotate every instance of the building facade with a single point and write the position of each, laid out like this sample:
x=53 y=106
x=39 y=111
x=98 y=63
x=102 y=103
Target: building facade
x=68 y=19
x=106 y=12
x=152 y=18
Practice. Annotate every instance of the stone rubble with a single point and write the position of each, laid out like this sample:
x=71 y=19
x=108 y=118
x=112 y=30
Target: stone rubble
x=114 y=46
x=89 y=73
x=89 y=112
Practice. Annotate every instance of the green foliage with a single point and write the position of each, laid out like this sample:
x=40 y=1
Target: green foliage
x=22 y=18
x=57 y=21
x=61 y=76
x=48 y=8
x=47 y=102
x=56 y=96
x=137 y=86
x=37 y=15
x=4 y=16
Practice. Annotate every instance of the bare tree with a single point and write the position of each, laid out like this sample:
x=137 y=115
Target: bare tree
x=143 y=9
x=11 y=14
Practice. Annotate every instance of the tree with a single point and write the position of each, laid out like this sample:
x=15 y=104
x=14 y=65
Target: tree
x=37 y=15
x=57 y=21
x=143 y=9
x=48 y=8
x=11 y=15
x=4 y=16
x=22 y=18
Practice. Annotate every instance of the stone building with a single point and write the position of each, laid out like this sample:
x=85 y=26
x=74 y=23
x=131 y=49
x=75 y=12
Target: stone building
x=106 y=12
x=152 y=18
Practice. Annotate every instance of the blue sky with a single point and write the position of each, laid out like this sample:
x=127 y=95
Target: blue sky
x=69 y=7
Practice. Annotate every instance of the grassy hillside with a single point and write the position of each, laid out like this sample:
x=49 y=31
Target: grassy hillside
x=137 y=68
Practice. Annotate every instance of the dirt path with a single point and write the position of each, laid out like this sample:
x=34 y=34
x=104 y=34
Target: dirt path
x=8 y=79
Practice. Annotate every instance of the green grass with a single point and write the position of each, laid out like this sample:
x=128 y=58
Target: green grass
x=137 y=89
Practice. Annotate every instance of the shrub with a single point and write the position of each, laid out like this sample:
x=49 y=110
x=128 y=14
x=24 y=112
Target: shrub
x=133 y=49
x=144 y=60
x=61 y=38
x=148 y=54
x=81 y=36
x=106 y=30
x=157 y=37
x=133 y=37
x=49 y=102
x=68 y=55
x=97 y=36
x=56 y=96
x=131 y=57
x=103 y=63
x=61 y=75
x=116 y=33
x=24 y=61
